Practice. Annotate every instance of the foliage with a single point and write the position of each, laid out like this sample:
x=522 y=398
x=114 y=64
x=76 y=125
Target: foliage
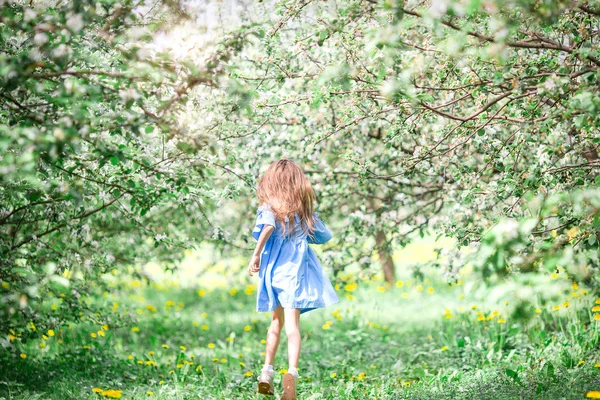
x=457 y=116
x=97 y=170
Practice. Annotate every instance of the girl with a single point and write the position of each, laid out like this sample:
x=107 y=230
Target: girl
x=291 y=278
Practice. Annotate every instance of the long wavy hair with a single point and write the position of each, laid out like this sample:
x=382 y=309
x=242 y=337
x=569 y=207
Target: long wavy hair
x=287 y=190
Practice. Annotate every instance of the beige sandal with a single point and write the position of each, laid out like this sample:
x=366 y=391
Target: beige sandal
x=265 y=383
x=289 y=383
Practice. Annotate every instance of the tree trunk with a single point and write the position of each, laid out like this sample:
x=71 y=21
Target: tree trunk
x=385 y=257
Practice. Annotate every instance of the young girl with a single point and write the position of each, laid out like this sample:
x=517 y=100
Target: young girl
x=291 y=278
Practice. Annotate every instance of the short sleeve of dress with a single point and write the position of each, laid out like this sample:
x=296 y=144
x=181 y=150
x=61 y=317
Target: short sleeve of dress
x=321 y=234
x=264 y=216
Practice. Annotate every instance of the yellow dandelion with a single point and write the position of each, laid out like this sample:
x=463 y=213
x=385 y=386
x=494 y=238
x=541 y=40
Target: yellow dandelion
x=242 y=365
x=538 y=311
x=229 y=339
x=399 y=284
x=581 y=362
x=596 y=309
x=23 y=355
x=566 y=304
x=597 y=317
x=135 y=329
x=249 y=373
x=44 y=337
x=211 y=345
x=380 y=289
x=151 y=353
x=501 y=321
x=113 y=394
x=350 y=297
x=140 y=362
x=556 y=308
x=333 y=375
x=198 y=368
x=404 y=295
x=247 y=328
x=350 y=287
x=150 y=393
x=430 y=290
x=97 y=390
x=596 y=365
x=165 y=346
x=233 y=292
x=50 y=332
x=444 y=348
x=223 y=360
x=170 y=303
x=42 y=345
x=326 y=326
x=473 y=307
x=104 y=327
x=481 y=318
x=361 y=376
x=419 y=288
x=101 y=333
x=182 y=348
x=593 y=394
x=282 y=371
x=263 y=341
x=204 y=327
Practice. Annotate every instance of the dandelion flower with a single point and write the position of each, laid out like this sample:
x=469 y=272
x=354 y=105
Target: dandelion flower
x=113 y=394
x=97 y=390
x=537 y=310
x=381 y=289
x=135 y=329
x=23 y=355
x=165 y=346
x=430 y=290
x=150 y=393
x=444 y=348
x=50 y=332
x=419 y=288
x=501 y=321
x=361 y=376
x=249 y=373
x=596 y=309
x=597 y=317
x=211 y=345
x=556 y=308
x=182 y=348
x=593 y=395
x=198 y=368
x=42 y=345
x=282 y=371
x=399 y=284
x=333 y=375
x=247 y=328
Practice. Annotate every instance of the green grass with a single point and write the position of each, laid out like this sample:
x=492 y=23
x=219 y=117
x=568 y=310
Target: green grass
x=379 y=345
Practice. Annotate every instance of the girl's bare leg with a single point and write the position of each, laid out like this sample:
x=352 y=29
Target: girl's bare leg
x=292 y=329
x=274 y=334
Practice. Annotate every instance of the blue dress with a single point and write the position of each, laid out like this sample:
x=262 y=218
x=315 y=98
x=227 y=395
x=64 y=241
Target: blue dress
x=290 y=274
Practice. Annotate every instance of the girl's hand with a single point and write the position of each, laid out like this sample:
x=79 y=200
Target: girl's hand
x=254 y=265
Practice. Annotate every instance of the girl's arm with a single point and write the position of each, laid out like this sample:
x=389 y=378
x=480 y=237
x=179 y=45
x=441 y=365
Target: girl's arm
x=254 y=265
x=321 y=234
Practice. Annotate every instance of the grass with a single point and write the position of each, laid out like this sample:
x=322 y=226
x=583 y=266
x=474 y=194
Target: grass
x=417 y=340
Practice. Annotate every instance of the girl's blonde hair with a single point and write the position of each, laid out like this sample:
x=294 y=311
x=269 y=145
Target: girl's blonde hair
x=287 y=190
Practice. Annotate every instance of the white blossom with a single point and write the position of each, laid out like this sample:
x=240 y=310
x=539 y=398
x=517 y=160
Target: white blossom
x=40 y=38
x=75 y=23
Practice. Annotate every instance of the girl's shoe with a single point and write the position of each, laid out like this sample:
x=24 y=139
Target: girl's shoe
x=289 y=383
x=265 y=383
